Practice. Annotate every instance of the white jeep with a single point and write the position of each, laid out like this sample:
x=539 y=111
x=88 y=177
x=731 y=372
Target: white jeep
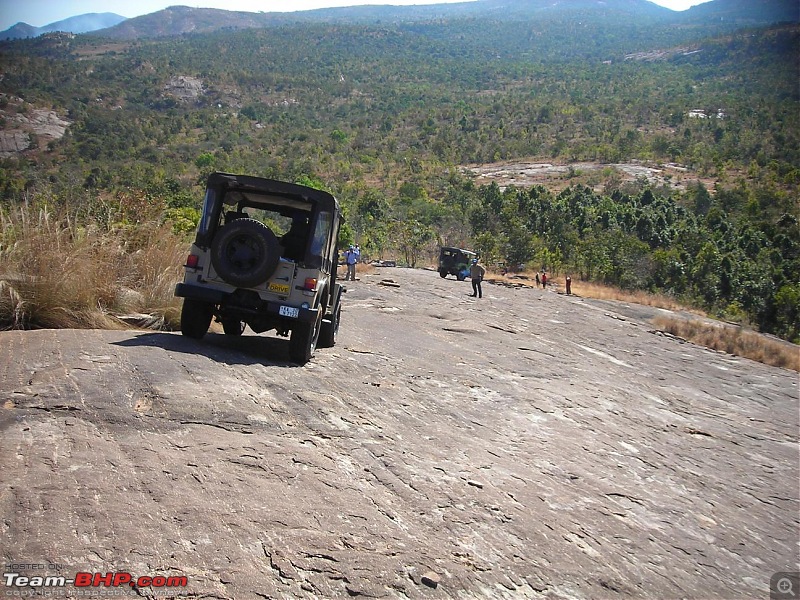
x=264 y=256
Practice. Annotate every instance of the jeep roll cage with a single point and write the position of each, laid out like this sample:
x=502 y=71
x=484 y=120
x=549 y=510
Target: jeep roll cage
x=287 y=199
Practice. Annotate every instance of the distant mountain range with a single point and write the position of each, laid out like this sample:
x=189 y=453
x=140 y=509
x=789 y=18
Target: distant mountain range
x=79 y=24
x=181 y=20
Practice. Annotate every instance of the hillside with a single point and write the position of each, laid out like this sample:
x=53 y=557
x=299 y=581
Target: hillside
x=746 y=11
x=524 y=445
x=180 y=20
x=396 y=117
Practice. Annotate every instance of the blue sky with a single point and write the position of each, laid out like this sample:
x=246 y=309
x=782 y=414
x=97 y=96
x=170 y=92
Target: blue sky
x=43 y=12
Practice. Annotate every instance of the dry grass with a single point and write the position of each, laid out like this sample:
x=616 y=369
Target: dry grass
x=605 y=292
x=55 y=273
x=720 y=336
x=597 y=291
x=734 y=340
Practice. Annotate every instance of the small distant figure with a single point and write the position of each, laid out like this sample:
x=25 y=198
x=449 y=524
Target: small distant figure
x=569 y=285
x=538 y=281
x=351 y=258
x=544 y=279
x=476 y=273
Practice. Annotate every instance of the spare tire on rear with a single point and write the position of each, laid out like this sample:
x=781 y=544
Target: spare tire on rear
x=245 y=253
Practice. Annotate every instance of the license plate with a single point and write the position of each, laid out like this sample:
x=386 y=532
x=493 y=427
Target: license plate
x=289 y=311
x=279 y=288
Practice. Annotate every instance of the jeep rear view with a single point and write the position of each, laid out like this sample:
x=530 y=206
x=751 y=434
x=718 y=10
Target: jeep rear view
x=264 y=257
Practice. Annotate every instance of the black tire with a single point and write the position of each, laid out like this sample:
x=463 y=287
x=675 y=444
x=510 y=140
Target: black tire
x=460 y=277
x=330 y=325
x=442 y=273
x=303 y=341
x=245 y=253
x=195 y=318
x=233 y=327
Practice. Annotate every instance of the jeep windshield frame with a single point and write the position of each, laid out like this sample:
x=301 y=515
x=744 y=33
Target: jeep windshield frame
x=285 y=199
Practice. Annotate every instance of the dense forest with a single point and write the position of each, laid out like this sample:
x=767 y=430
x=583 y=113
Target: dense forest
x=387 y=115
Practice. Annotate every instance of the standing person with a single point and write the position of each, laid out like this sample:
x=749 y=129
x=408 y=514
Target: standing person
x=351 y=258
x=538 y=281
x=569 y=285
x=476 y=273
x=544 y=279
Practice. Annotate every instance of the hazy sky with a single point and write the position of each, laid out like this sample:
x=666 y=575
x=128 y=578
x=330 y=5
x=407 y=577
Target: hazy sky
x=44 y=12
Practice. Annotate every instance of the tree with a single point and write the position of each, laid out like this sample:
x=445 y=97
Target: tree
x=701 y=199
x=412 y=237
x=706 y=273
x=787 y=308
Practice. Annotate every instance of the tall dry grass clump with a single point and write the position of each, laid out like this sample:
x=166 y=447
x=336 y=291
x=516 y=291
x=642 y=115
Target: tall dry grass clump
x=734 y=340
x=58 y=273
x=599 y=291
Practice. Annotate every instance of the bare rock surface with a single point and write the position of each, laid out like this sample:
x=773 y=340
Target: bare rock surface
x=184 y=88
x=22 y=121
x=526 y=445
x=13 y=141
x=530 y=173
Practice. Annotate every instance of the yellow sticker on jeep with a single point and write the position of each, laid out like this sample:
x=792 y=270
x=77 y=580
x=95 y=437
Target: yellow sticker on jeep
x=279 y=288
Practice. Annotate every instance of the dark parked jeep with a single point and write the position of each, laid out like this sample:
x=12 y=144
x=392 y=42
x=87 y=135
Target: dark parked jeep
x=455 y=261
x=264 y=256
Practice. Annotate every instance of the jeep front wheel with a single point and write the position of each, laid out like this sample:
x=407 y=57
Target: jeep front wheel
x=195 y=318
x=330 y=325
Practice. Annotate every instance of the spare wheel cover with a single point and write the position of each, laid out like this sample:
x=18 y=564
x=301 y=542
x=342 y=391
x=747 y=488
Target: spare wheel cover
x=245 y=253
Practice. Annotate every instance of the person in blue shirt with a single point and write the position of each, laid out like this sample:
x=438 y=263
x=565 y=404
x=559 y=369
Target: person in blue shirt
x=351 y=256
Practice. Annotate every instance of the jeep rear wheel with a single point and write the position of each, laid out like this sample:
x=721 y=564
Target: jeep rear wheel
x=245 y=253
x=303 y=340
x=195 y=318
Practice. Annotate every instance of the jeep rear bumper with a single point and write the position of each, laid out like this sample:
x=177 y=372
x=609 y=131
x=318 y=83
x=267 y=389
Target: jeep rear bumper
x=228 y=301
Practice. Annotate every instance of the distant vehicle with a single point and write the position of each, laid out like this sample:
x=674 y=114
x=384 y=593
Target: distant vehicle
x=265 y=256
x=455 y=261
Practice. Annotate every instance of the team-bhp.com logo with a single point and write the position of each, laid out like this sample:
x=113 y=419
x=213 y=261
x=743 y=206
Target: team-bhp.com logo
x=94 y=580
